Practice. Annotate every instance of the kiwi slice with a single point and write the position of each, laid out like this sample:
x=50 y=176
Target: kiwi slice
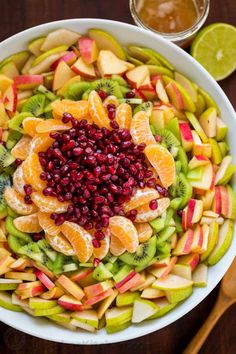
x=45 y=247
x=109 y=86
x=13 y=137
x=32 y=251
x=165 y=234
x=124 y=90
x=6 y=159
x=49 y=94
x=12 y=230
x=15 y=243
x=101 y=273
x=16 y=122
x=11 y=212
x=168 y=138
x=183 y=159
x=146 y=107
x=76 y=89
x=59 y=263
x=85 y=95
x=4 y=182
x=119 y=79
x=182 y=189
x=35 y=105
x=145 y=252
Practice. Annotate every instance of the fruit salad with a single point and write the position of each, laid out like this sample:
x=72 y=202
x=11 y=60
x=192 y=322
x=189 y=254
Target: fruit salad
x=115 y=182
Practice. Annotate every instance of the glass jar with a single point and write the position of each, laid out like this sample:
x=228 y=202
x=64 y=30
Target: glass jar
x=184 y=38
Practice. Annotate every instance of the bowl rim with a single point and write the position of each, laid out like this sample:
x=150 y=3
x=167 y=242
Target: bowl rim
x=138 y=330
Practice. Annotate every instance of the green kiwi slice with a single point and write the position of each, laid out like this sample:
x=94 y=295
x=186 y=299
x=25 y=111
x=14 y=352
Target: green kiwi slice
x=59 y=263
x=12 y=230
x=145 y=252
x=119 y=79
x=16 y=122
x=182 y=157
x=4 y=182
x=15 y=243
x=109 y=86
x=75 y=90
x=35 y=105
x=45 y=247
x=32 y=251
x=6 y=159
x=182 y=189
x=146 y=107
x=168 y=138
x=49 y=94
x=13 y=138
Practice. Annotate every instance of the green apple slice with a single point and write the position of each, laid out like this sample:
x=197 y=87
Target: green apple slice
x=212 y=240
x=224 y=148
x=118 y=316
x=225 y=237
x=82 y=325
x=6 y=302
x=159 y=58
x=9 y=69
x=208 y=100
x=47 y=312
x=43 y=56
x=105 y=41
x=142 y=310
x=231 y=214
x=126 y=299
x=221 y=129
x=208 y=122
x=187 y=85
x=9 y=284
x=187 y=101
x=178 y=295
x=114 y=329
x=36 y=303
x=89 y=317
x=182 y=270
x=164 y=306
x=225 y=171
x=216 y=155
x=172 y=282
x=159 y=70
x=35 y=45
x=18 y=59
x=200 y=276
x=197 y=126
x=173 y=126
x=105 y=304
x=200 y=105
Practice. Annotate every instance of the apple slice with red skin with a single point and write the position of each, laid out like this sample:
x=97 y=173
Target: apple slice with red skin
x=98 y=288
x=186 y=136
x=197 y=239
x=216 y=206
x=184 y=243
x=5 y=262
x=174 y=95
x=137 y=76
x=84 y=69
x=207 y=180
x=26 y=82
x=164 y=271
x=10 y=98
x=68 y=302
x=191 y=259
x=81 y=274
x=93 y=300
x=69 y=58
x=205 y=231
x=43 y=269
x=46 y=281
x=71 y=287
x=62 y=75
x=108 y=64
x=160 y=91
x=129 y=284
x=224 y=200
x=88 y=49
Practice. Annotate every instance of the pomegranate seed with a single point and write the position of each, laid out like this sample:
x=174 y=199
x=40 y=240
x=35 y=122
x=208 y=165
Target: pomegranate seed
x=37 y=237
x=158 y=138
x=96 y=262
x=99 y=235
x=114 y=125
x=111 y=114
x=18 y=162
x=179 y=213
x=28 y=189
x=130 y=94
x=96 y=243
x=153 y=204
x=77 y=151
x=66 y=117
x=102 y=94
x=27 y=199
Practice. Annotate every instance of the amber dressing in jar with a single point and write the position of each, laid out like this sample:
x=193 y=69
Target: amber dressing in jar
x=168 y=16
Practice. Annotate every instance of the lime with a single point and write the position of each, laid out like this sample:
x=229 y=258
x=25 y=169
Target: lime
x=215 y=48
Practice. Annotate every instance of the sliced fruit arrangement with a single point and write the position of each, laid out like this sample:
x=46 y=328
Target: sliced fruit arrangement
x=115 y=192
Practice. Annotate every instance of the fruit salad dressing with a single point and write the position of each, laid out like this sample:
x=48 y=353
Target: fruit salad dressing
x=171 y=16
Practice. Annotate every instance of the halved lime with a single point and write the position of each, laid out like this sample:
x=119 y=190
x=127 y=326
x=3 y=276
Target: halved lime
x=215 y=48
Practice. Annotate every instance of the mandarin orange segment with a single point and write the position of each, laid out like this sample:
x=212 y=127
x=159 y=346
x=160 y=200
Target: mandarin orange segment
x=116 y=247
x=49 y=204
x=32 y=170
x=17 y=203
x=144 y=213
x=80 y=240
x=60 y=244
x=18 y=179
x=140 y=129
x=47 y=224
x=125 y=231
x=124 y=115
x=97 y=111
x=78 y=109
x=41 y=142
x=141 y=196
x=29 y=125
x=163 y=162
x=144 y=231
x=28 y=223
x=102 y=251
x=22 y=148
x=51 y=125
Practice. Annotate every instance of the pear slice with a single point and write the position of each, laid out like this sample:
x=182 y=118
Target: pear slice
x=224 y=172
x=105 y=41
x=18 y=59
x=126 y=299
x=200 y=105
x=38 y=303
x=114 y=329
x=224 y=148
x=82 y=325
x=178 y=95
x=49 y=311
x=6 y=302
x=212 y=240
x=225 y=237
x=35 y=45
x=182 y=270
x=216 y=155
x=208 y=122
x=200 y=276
x=60 y=317
x=43 y=56
x=172 y=282
x=142 y=310
x=221 y=129
x=9 y=69
x=197 y=126
x=208 y=100
x=89 y=317
x=175 y=296
x=59 y=37
x=9 y=284
x=164 y=306
x=231 y=213
x=118 y=316
x=187 y=85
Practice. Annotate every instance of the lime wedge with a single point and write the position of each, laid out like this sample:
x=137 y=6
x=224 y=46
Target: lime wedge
x=215 y=48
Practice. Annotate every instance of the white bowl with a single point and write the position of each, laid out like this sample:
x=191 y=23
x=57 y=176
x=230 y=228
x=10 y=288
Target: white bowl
x=185 y=64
